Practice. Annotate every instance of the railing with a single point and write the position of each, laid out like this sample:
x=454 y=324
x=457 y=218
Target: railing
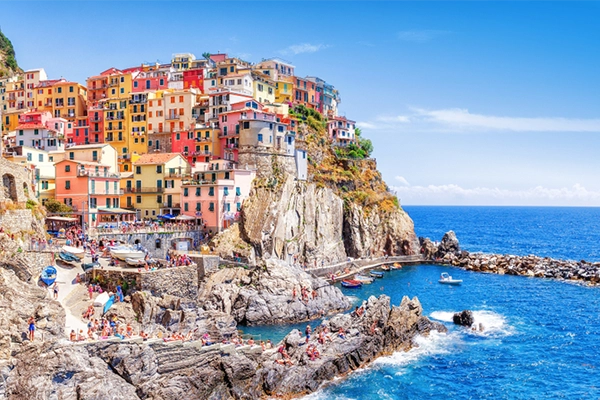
x=144 y=190
x=96 y=174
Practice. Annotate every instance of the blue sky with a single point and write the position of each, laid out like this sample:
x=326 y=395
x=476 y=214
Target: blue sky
x=466 y=103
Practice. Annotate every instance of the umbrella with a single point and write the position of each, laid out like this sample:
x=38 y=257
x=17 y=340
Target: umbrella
x=183 y=217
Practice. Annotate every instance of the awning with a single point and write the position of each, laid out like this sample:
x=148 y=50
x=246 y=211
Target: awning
x=115 y=211
x=166 y=216
x=64 y=219
x=183 y=217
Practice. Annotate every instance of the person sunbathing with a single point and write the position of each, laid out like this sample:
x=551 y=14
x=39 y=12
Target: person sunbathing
x=129 y=330
x=251 y=341
x=341 y=333
x=73 y=336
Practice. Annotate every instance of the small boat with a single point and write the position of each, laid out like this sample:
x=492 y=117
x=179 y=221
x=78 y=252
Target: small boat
x=365 y=280
x=125 y=253
x=48 y=275
x=376 y=274
x=135 y=262
x=447 y=279
x=351 y=283
x=108 y=304
x=385 y=267
x=79 y=253
x=396 y=266
x=68 y=257
x=86 y=266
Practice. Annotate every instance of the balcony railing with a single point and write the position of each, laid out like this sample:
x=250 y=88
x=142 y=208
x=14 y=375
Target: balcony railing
x=144 y=190
x=96 y=174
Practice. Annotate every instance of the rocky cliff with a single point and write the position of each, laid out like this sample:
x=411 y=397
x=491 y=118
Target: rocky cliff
x=159 y=371
x=265 y=295
x=343 y=209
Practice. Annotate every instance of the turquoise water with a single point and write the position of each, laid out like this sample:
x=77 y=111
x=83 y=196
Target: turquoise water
x=541 y=337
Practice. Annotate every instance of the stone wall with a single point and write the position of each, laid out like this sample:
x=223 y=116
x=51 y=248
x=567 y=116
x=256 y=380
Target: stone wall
x=178 y=281
x=16 y=182
x=262 y=162
x=207 y=265
x=148 y=240
x=14 y=221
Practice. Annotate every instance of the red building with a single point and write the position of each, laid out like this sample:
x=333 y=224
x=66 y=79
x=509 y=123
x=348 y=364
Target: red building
x=194 y=78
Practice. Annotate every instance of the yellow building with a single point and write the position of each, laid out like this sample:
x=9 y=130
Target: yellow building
x=69 y=100
x=263 y=88
x=154 y=186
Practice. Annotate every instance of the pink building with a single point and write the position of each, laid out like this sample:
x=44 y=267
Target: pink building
x=216 y=193
x=341 y=131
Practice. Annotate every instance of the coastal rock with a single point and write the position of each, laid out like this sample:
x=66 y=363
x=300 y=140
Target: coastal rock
x=129 y=370
x=428 y=248
x=265 y=295
x=463 y=318
x=448 y=245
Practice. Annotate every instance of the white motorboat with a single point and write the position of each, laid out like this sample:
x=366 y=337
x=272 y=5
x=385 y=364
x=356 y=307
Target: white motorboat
x=79 y=253
x=364 y=279
x=446 y=279
x=124 y=253
x=135 y=262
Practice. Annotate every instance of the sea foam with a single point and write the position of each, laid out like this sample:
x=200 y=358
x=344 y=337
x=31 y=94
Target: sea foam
x=494 y=324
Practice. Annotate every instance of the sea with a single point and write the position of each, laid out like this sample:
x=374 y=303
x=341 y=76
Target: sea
x=541 y=337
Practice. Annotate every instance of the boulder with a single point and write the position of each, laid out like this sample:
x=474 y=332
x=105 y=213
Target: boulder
x=463 y=318
x=448 y=245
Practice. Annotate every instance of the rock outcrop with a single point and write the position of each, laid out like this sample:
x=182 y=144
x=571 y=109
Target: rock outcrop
x=265 y=295
x=463 y=318
x=172 y=372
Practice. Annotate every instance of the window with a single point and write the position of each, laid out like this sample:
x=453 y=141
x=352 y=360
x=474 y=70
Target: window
x=181 y=100
x=157 y=244
x=225 y=191
x=93 y=202
x=228 y=207
x=197 y=192
x=67 y=168
x=94 y=155
x=198 y=206
x=185 y=192
x=159 y=199
x=246 y=125
x=185 y=207
x=20 y=131
x=107 y=202
x=138 y=170
x=71 y=155
x=238 y=191
x=211 y=207
x=138 y=199
x=135 y=84
x=227 y=175
x=29 y=156
x=260 y=137
x=239 y=206
x=159 y=169
x=211 y=191
x=67 y=185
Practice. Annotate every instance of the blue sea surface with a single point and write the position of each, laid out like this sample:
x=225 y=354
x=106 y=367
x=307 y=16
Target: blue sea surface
x=568 y=233
x=541 y=338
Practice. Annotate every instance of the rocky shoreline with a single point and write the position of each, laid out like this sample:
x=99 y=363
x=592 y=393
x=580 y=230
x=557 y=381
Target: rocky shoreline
x=448 y=252
x=174 y=371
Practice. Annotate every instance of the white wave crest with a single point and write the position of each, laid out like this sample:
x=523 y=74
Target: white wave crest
x=435 y=343
x=493 y=324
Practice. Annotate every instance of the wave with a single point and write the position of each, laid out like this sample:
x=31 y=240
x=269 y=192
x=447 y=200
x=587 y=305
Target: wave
x=493 y=324
x=435 y=343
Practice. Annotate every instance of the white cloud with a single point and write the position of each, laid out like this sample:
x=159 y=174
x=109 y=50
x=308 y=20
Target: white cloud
x=420 y=35
x=402 y=180
x=452 y=194
x=303 y=48
x=461 y=120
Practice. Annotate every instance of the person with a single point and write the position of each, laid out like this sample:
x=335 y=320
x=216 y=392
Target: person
x=341 y=333
x=119 y=293
x=91 y=291
x=251 y=341
x=72 y=336
x=308 y=331
x=55 y=290
x=31 y=323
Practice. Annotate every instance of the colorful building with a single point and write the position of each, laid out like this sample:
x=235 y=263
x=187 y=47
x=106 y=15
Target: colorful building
x=153 y=188
x=216 y=193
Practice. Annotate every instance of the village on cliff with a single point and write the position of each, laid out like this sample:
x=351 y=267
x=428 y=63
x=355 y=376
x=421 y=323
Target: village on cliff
x=162 y=141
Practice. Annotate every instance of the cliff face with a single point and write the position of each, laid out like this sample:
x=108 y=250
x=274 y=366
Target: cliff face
x=343 y=209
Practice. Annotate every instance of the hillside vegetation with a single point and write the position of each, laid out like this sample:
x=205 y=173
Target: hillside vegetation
x=8 y=62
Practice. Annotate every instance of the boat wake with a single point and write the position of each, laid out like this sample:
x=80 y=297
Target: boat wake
x=494 y=324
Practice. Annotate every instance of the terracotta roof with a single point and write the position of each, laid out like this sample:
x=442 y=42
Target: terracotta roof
x=157 y=158
x=30 y=126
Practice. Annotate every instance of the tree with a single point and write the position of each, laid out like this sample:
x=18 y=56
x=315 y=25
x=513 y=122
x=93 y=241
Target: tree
x=55 y=206
x=366 y=145
x=206 y=55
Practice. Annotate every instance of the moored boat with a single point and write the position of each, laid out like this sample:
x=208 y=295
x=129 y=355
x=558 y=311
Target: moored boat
x=365 y=280
x=385 y=267
x=125 y=253
x=79 y=253
x=351 y=283
x=68 y=257
x=48 y=275
x=446 y=279
x=376 y=274
x=396 y=266
x=135 y=262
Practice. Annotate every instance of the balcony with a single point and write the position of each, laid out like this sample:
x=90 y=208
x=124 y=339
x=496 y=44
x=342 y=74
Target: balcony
x=95 y=119
x=96 y=174
x=171 y=205
x=172 y=116
x=144 y=190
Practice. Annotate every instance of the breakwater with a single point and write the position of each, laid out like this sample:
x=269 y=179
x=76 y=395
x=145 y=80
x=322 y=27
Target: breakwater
x=448 y=252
